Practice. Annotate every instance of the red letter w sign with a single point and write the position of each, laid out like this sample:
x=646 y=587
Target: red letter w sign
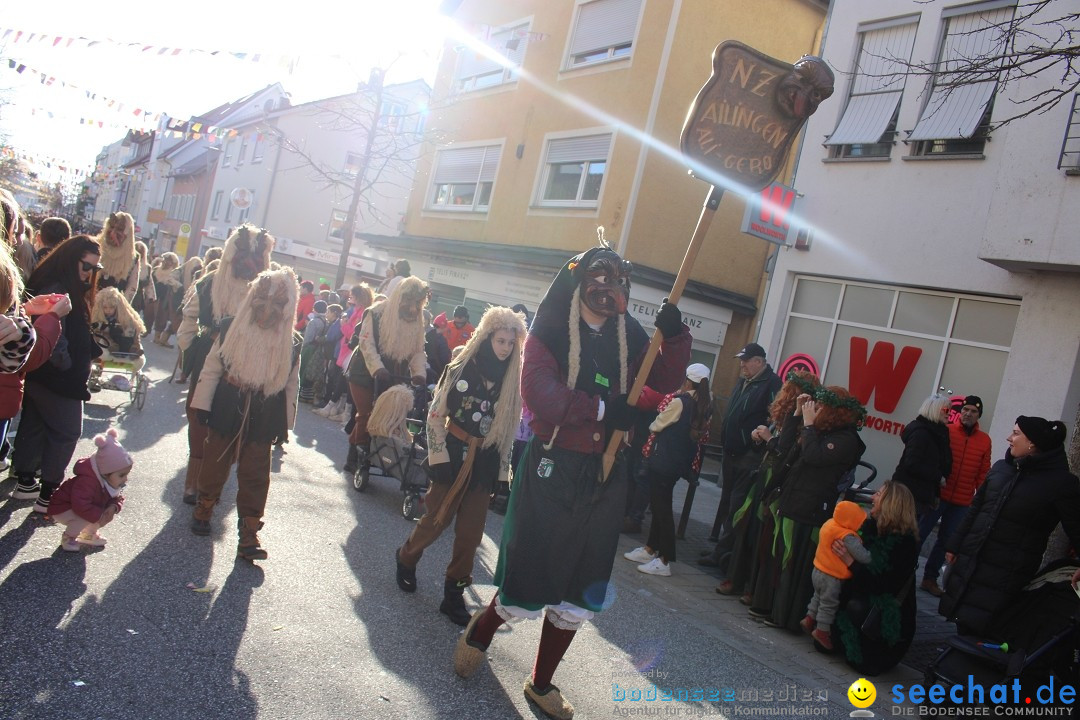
x=878 y=375
x=767 y=213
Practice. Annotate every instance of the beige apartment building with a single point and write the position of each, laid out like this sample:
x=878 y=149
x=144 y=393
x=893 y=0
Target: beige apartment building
x=554 y=118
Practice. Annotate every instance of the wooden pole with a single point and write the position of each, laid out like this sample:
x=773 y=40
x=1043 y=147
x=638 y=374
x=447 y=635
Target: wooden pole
x=712 y=202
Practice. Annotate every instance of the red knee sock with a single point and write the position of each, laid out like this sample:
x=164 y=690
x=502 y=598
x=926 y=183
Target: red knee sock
x=553 y=645
x=486 y=626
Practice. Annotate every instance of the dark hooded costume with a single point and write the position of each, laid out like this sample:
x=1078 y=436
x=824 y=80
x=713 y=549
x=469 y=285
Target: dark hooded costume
x=563 y=519
x=562 y=523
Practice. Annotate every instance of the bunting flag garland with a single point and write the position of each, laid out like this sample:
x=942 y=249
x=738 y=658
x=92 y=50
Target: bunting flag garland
x=148 y=116
x=16 y=37
x=51 y=163
x=174 y=127
x=145 y=119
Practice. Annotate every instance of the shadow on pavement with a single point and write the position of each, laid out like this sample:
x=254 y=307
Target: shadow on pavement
x=36 y=597
x=394 y=644
x=134 y=642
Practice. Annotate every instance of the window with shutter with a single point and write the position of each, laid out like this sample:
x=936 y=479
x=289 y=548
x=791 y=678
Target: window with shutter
x=868 y=125
x=464 y=178
x=603 y=30
x=574 y=169
x=499 y=64
x=336 y=230
x=956 y=118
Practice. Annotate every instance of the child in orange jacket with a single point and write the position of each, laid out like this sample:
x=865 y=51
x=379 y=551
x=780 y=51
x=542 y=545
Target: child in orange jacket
x=830 y=571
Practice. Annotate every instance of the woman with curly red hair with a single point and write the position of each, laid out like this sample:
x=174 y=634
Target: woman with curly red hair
x=828 y=446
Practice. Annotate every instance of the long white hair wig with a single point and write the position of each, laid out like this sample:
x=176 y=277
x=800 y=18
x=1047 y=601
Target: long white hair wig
x=261 y=358
x=508 y=407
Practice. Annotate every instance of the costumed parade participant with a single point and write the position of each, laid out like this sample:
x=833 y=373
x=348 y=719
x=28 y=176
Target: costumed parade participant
x=470 y=427
x=563 y=519
x=168 y=287
x=246 y=396
x=118 y=255
x=217 y=295
x=117 y=327
x=390 y=348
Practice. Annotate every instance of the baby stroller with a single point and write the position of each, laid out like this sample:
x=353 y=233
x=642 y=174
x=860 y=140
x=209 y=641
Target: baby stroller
x=398 y=446
x=858 y=492
x=127 y=376
x=1043 y=626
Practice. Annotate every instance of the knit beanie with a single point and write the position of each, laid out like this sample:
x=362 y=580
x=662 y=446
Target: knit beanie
x=975 y=401
x=1044 y=434
x=110 y=455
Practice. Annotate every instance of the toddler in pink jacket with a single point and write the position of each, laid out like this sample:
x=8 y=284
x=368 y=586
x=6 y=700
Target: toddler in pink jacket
x=92 y=497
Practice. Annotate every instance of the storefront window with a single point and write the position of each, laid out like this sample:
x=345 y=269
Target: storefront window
x=986 y=322
x=922 y=313
x=867 y=305
x=816 y=298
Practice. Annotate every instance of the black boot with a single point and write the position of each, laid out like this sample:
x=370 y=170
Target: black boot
x=453 y=603
x=248 y=547
x=352 y=459
x=406 y=576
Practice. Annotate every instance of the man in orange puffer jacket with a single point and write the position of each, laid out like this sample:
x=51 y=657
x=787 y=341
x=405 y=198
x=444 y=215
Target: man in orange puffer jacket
x=971 y=449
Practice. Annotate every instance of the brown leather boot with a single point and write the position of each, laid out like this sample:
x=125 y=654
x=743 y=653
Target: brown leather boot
x=200 y=517
x=248 y=547
x=191 y=488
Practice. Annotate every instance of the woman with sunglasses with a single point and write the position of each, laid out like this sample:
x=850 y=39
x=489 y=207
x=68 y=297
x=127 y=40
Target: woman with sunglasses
x=53 y=401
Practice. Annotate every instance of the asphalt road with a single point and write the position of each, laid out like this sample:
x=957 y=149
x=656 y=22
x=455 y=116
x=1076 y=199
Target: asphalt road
x=319 y=630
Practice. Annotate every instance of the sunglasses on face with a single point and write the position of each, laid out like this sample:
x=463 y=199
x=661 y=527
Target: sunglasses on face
x=87 y=267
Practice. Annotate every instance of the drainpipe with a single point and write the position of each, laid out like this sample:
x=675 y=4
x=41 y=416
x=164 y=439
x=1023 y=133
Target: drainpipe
x=270 y=190
x=650 y=122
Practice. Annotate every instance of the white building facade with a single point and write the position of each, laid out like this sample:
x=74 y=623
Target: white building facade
x=944 y=250
x=295 y=170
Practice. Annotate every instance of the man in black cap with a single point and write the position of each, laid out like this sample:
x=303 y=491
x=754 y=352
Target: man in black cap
x=747 y=408
x=971 y=452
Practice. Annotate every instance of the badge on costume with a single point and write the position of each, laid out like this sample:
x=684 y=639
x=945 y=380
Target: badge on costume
x=546 y=467
x=462 y=386
x=602 y=381
x=485 y=425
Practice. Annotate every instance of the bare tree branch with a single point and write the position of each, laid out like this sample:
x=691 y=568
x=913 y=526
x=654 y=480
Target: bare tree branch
x=379 y=147
x=1041 y=40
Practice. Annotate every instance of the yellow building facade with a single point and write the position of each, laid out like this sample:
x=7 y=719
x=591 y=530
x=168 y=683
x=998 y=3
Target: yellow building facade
x=554 y=118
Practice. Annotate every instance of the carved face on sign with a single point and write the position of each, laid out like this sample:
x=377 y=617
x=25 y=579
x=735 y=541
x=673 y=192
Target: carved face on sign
x=745 y=118
x=805 y=87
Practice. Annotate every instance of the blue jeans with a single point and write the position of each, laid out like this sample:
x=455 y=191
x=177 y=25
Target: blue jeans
x=951 y=516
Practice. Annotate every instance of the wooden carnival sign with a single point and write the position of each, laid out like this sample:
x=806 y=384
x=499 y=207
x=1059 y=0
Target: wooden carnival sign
x=739 y=129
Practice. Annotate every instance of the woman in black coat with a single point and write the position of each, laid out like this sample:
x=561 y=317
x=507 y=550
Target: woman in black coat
x=998 y=547
x=927 y=459
x=53 y=402
x=828 y=446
